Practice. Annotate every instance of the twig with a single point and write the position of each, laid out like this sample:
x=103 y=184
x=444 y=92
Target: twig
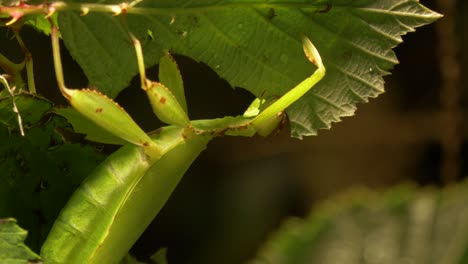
x=14 y=108
x=28 y=61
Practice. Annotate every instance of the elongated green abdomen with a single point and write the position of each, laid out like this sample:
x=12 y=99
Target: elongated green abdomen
x=83 y=223
x=114 y=205
x=148 y=197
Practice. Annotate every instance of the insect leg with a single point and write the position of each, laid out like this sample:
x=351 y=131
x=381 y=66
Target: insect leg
x=164 y=103
x=100 y=109
x=270 y=114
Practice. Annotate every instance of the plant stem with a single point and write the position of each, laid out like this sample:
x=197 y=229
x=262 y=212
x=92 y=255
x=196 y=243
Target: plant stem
x=28 y=61
x=12 y=69
x=85 y=8
x=14 y=107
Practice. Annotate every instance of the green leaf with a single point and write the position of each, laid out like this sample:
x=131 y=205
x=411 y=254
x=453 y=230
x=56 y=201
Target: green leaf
x=12 y=247
x=256 y=45
x=31 y=108
x=41 y=23
x=104 y=51
x=403 y=225
x=39 y=171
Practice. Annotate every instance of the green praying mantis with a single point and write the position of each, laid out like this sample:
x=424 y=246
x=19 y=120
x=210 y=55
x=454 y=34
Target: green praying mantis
x=114 y=205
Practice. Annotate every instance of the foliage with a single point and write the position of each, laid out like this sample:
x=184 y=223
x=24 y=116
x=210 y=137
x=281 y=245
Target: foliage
x=402 y=225
x=256 y=45
x=40 y=170
x=12 y=249
x=253 y=44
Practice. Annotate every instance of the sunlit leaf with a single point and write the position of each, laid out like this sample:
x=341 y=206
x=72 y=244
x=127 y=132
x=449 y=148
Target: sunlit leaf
x=256 y=45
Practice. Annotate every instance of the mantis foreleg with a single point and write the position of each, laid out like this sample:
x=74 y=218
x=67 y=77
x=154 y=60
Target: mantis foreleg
x=100 y=109
x=263 y=122
x=164 y=103
x=294 y=94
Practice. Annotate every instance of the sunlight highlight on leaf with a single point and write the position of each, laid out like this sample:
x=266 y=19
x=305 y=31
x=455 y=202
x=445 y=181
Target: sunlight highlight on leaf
x=256 y=45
